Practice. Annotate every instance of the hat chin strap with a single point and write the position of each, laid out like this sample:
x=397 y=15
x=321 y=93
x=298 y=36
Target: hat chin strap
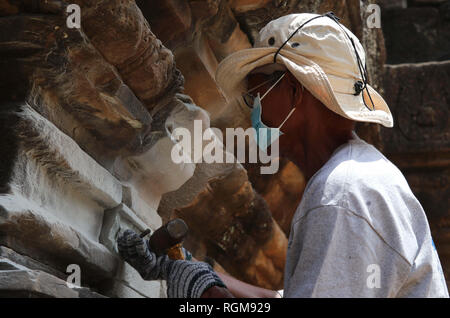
x=291 y=112
x=289 y=115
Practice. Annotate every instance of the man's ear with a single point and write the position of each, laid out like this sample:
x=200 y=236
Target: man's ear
x=296 y=88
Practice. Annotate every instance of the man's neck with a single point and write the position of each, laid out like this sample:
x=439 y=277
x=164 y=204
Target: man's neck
x=315 y=151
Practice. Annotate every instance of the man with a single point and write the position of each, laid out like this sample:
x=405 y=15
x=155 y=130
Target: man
x=358 y=231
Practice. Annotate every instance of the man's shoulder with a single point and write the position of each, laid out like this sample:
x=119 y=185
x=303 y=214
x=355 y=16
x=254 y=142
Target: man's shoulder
x=364 y=166
x=360 y=179
x=355 y=165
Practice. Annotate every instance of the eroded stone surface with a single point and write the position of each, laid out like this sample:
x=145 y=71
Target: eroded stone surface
x=48 y=169
x=154 y=172
x=418 y=95
x=128 y=283
x=64 y=77
x=37 y=284
x=28 y=262
x=121 y=33
x=18 y=280
x=53 y=201
x=417 y=34
x=419 y=144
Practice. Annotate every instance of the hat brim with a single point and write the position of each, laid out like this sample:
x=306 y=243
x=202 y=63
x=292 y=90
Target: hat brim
x=332 y=91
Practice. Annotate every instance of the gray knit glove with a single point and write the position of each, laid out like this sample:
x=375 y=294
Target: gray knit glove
x=185 y=279
x=134 y=251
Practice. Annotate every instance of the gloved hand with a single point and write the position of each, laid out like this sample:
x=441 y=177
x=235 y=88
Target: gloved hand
x=134 y=250
x=185 y=279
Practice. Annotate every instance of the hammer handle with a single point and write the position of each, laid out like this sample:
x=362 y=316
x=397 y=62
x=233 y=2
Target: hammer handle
x=176 y=252
x=143 y=234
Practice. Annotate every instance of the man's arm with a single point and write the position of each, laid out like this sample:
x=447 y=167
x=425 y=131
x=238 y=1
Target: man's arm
x=335 y=252
x=186 y=279
x=238 y=289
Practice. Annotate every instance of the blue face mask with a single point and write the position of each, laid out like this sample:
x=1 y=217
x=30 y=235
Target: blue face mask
x=264 y=135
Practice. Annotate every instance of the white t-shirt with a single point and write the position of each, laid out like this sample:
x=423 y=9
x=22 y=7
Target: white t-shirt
x=360 y=232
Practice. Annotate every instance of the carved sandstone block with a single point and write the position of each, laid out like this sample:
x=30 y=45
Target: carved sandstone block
x=417 y=34
x=421 y=115
x=57 y=204
x=24 y=283
x=171 y=21
x=65 y=78
x=419 y=144
x=198 y=62
x=122 y=35
x=53 y=196
x=248 y=5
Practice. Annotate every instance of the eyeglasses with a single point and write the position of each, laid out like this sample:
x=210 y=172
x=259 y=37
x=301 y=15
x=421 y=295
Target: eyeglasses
x=249 y=99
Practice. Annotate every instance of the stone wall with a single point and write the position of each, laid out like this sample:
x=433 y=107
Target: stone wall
x=87 y=118
x=417 y=91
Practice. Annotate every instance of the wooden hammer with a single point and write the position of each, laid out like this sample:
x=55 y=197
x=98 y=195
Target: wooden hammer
x=168 y=239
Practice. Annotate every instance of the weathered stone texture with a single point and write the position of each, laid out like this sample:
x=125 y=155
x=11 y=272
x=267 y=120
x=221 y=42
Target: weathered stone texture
x=47 y=190
x=21 y=276
x=98 y=85
x=177 y=13
x=419 y=96
x=122 y=35
x=419 y=144
x=89 y=103
x=52 y=205
x=36 y=284
x=417 y=34
x=7 y=255
x=416 y=89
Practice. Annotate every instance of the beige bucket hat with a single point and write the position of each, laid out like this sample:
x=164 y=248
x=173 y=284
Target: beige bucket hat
x=324 y=56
